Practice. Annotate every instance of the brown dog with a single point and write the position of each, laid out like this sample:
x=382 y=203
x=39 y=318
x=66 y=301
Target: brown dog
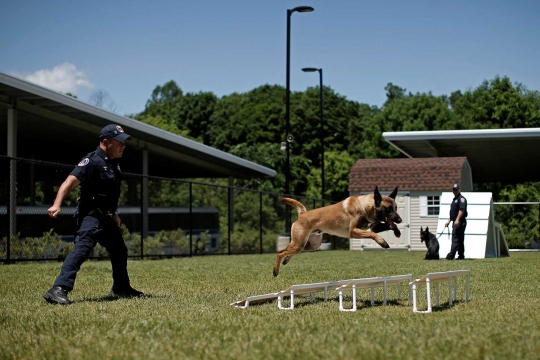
x=358 y=217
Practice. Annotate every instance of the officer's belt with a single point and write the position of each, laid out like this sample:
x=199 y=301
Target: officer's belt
x=98 y=211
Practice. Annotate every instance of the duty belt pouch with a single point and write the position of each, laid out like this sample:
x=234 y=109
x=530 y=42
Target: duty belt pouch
x=102 y=213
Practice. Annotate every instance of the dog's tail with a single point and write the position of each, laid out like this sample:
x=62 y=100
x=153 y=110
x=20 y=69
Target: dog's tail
x=297 y=204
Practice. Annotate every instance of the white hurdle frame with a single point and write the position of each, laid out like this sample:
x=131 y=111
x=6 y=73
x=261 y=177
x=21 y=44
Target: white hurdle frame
x=302 y=289
x=437 y=278
x=254 y=299
x=372 y=283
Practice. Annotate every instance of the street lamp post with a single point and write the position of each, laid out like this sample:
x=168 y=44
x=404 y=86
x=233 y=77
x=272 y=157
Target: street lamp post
x=288 y=139
x=321 y=127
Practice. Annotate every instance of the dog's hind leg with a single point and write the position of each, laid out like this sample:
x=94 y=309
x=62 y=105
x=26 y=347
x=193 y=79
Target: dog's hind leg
x=286 y=254
x=299 y=238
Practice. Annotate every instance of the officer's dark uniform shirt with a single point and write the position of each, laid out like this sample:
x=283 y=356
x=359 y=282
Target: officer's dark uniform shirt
x=100 y=179
x=458 y=203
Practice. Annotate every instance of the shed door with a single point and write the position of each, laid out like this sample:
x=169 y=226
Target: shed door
x=394 y=242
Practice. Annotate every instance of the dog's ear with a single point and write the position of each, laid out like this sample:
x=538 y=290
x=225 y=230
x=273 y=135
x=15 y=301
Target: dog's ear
x=393 y=194
x=377 y=197
x=427 y=228
x=421 y=229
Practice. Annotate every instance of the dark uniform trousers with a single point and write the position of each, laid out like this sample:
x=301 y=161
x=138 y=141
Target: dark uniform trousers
x=92 y=230
x=458 y=241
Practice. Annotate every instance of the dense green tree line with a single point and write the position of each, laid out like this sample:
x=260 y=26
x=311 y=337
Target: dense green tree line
x=252 y=125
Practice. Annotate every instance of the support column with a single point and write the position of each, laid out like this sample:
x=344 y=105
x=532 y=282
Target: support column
x=231 y=204
x=144 y=197
x=12 y=152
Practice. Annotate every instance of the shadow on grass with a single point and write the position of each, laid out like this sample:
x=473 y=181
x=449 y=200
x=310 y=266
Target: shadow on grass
x=445 y=306
x=115 y=298
x=302 y=301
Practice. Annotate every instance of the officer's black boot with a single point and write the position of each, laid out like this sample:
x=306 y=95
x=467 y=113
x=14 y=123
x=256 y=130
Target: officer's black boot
x=127 y=293
x=57 y=295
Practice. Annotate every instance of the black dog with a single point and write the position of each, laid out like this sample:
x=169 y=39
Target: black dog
x=431 y=243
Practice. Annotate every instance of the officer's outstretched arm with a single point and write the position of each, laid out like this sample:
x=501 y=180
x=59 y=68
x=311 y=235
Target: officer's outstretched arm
x=66 y=187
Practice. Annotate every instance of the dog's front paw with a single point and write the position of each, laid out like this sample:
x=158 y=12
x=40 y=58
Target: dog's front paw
x=397 y=232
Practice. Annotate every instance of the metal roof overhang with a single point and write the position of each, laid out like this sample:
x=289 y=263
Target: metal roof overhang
x=56 y=127
x=495 y=155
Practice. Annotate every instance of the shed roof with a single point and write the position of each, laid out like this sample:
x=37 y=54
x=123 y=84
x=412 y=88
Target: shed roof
x=409 y=174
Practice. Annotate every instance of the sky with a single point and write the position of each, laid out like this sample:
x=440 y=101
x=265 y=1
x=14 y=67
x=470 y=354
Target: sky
x=127 y=48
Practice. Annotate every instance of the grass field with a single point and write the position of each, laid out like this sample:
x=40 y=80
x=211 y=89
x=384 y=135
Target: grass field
x=186 y=314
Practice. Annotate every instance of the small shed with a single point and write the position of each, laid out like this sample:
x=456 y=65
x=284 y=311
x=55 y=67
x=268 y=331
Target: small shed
x=421 y=181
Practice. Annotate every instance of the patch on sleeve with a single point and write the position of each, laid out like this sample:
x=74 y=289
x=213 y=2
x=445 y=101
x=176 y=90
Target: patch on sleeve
x=463 y=200
x=84 y=162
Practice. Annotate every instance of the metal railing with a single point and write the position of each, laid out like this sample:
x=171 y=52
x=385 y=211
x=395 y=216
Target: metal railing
x=185 y=218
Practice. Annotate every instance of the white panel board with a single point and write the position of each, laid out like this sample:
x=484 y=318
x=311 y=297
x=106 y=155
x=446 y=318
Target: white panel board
x=476 y=211
x=475 y=246
x=480 y=242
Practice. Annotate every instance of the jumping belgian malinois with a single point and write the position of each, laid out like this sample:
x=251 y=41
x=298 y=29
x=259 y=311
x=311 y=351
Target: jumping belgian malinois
x=358 y=217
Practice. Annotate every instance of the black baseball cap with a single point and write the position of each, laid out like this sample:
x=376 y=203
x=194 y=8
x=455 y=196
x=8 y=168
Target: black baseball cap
x=456 y=187
x=114 y=131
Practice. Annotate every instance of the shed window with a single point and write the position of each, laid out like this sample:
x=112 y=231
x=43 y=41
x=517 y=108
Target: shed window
x=429 y=205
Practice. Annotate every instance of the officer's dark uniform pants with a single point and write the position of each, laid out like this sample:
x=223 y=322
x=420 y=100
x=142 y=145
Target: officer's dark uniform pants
x=93 y=230
x=458 y=241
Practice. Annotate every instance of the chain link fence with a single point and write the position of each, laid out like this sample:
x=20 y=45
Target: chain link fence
x=185 y=218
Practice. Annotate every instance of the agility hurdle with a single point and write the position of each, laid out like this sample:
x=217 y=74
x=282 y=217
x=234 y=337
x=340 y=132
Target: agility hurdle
x=300 y=289
x=255 y=299
x=313 y=288
x=303 y=289
x=437 y=278
x=372 y=283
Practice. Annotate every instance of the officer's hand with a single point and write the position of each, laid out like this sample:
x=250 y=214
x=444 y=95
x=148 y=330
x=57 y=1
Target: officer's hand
x=456 y=223
x=446 y=225
x=116 y=218
x=54 y=211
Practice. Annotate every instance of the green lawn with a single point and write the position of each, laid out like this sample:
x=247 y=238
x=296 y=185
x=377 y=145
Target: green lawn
x=187 y=315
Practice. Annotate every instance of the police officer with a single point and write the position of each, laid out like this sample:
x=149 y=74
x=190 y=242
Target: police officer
x=99 y=175
x=458 y=214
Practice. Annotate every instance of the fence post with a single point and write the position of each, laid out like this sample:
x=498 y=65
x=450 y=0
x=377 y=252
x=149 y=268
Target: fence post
x=260 y=223
x=12 y=152
x=142 y=217
x=229 y=226
x=8 y=208
x=12 y=200
x=190 y=219
x=144 y=199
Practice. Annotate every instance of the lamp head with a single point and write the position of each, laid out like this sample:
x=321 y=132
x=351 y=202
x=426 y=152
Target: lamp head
x=302 y=9
x=310 y=69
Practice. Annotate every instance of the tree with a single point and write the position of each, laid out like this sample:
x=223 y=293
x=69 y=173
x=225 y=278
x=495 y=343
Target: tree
x=193 y=114
x=520 y=222
x=252 y=118
x=102 y=99
x=272 y=156
x=337 y=168
x=497 y=104
x=306 y=123
x=160 y=123
x=164 y=101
